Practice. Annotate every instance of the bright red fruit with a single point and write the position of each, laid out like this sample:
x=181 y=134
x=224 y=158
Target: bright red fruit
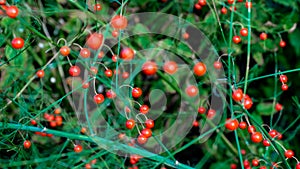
x=185 y=36
x=191 y=91
x=289 y=153
x=74 y=71
x=170 y=67
x=243 y=125
x=94 y=41
x=236 y=39
x=197 y=6
x=27 y=144
x=248 y=4
x=119 y=22
x=65 y=50
x=263 y=36
x=40 y=73
x=127 y=54
x=33 y=122
x=146 y=132
x=85 y=53
x=244 y=31
x=17 y=43
x=246 y=163
x=99 y=98
x=78 y=148
x=251 y=129
x=97 y=7
x=201 y=110
x=2 y=2
x=282 y=44
x=196 y=123
x=298 y=166
x=130 y=124
x=284 y=87
x=144 y=109
x=211 y=113
x=283 y=78
x=115 y=33
x=233 y=166
x=217 y=65
x=149 y=123
x=149 y=68
x=12 y=11
x=110 y=94
x=266 y=143
x=230 y=1
x=142 y=139
x=108 y=73
x=255 y=162
x=224 y=10
x=136 y=92
x=256 y=137
x=202 y=2
x=232 y=124
x=273 y=133
x=248 y=102
x=237 y=95
x=200 y=69
x=278 y=107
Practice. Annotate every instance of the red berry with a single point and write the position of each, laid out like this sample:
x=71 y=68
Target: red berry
x=144 y=109
x=146 y=132
x=279 y=136
x=127 y=54
x=273 y=133
x=191 y=91
x=94 y=70
x=233 y=166
x=230 y=1
x=149 y=68
x=232 y=124
x=40 y=73
x=248 y=4
x=27 y=144
x=99 y=98
x=237 y=95
x=246 y=163
x=263 y=167
x=125 y=75
x=201 y=110
x=88 y=166
x=110 y=94
x=17 y=43
x=78 y=148
x=130 y=123
x=256 y=137
x=12 y=11
x=284 y=87
x=65 y=50
x=224 y=10
x=282 y=44
x=33 y=122
x=202 y=2
x=243 y=152
x=255 y=162
x=185 y=36
x=283 y=78
x=85 y=85
x=244 y=31
x=266 y=143
x=74 y=71
x=94 y=41
x=236 y=39
x=2 y=2
x=114 y=58
x=248 y=102
x=136 y=92
x=278 y=107
x=240 y=0
x=298 y=166
x=251 y=129
x=115 y=33
x=108 y=73
x=211 y=113
x=149 y=123
x=97 y=7
x=170 y=67
x=263 y=36
x=142 y=139
x=196 y=123
x=197 y=6
x=217 y=65
x=119 y=22
x=85 y=53
x=100 y=54
x=289 y=153
x=200 y=69
x=243 y=125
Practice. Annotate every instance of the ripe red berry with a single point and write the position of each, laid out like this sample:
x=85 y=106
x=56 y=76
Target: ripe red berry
x=224 y=10
x=298 y=166
x=248 y=4
x=201 y=110
x=144 y=109
x=211 y=113
x=202 y=2
x=2 y=2
x=146 y=132
x=33 y=122
x=149 y=123
x=130 y=123
x=248 y=102
x=40 y=73
x=200 y=69
x=283 y=78
x=85 y=53
x=100 y=54
x=185 y=36
x=196 y=123
x=217 y=65
x=255 y=162
x=246 y=163
x=114 y=58
x=85 y=85
x=94 y=41
x=232 y=124
x=127 y=54
x=279 y=136
x=278 y=107
x=78 y=148
x=230 y=1
x=65 y=50
x=125 y=75
x=110 y=94
x=12 y=11
x=197 y=6
x=119 y=22
x=97 y=7
x=263 y=36
x=149 y=68
x=244 y=31
x=93 y=70
x=282 y=44
x=284 y=87
x=17 y=43
x=263 y=167
x=266 y=143
x=191 y=91
x=170 y=67
x=99 y=98
x=236 y=39
x=27 y=144
x=237 y=95
x=256 y=137
x=115 y=33
x=142 y=139
x=74 y=71
x=233 y=166
x=251 y=129
x=289 y=153
x=108 y=73
x=136 y=92
x=273 y=133
x=243 y=125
